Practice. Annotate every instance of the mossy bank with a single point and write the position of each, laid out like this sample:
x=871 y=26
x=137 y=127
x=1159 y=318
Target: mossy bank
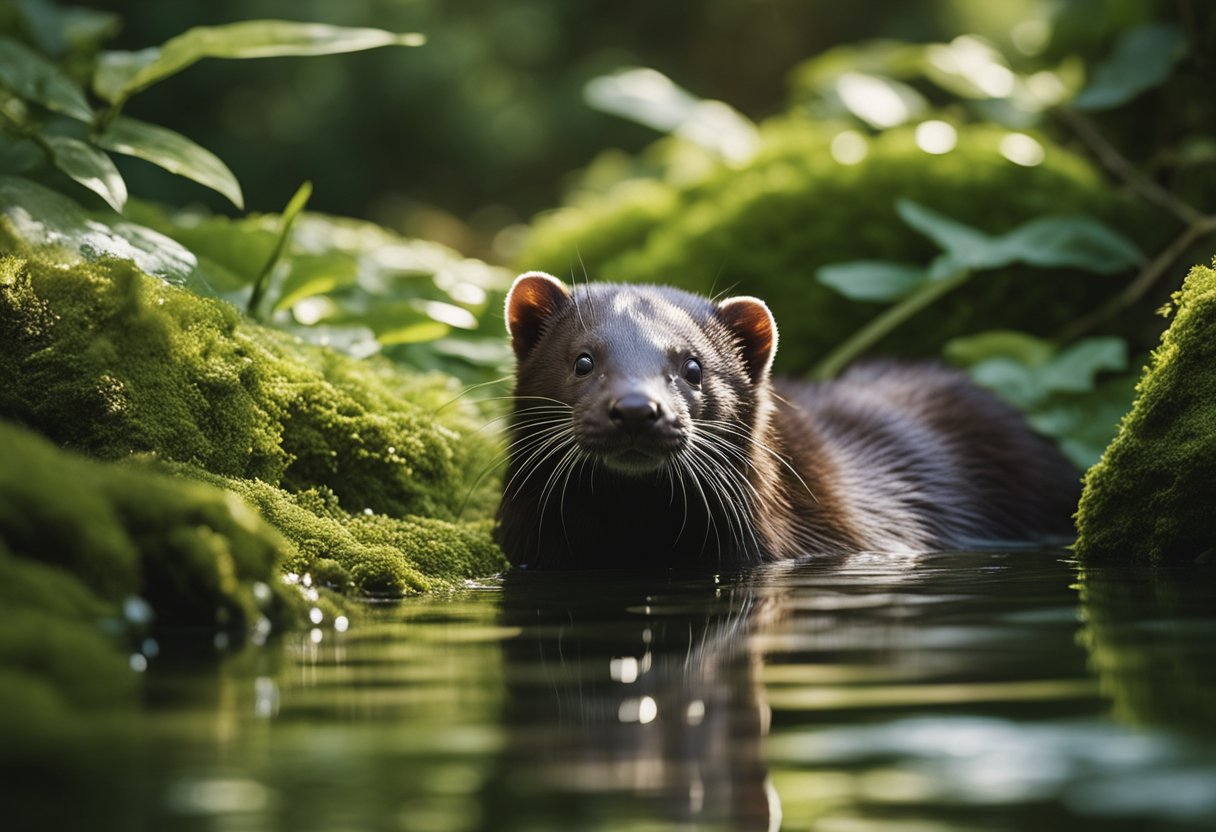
x=1149 y=500
x=353 y=470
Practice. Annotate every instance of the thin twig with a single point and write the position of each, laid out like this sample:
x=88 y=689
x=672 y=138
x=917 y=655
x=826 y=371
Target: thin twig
x=1150 y=274
x=1118 y=164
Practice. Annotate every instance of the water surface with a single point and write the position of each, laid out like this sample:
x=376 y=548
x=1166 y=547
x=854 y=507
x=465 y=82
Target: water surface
x=956 y=691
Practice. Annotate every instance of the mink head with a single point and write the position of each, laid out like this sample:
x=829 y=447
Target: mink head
x=636 y=373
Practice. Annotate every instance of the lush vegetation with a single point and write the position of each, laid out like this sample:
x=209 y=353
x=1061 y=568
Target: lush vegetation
x=273 y=393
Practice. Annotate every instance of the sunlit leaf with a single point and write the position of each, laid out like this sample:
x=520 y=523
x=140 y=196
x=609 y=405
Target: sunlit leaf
x=1064 y=242
x=1071 y=242
x=88 y=166
x=1142 y=59
x=968 y=247
x=173 y=152
x=36 y=79
x=120 y=75
x=294 y=206
x=872 y=280
x=998 y=343
x=46 y=220
x=414 y=333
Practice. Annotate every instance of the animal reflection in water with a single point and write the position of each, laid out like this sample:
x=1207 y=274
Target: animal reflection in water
x=663 y=706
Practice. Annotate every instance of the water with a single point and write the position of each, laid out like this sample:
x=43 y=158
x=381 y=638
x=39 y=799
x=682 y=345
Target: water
x=945 y=692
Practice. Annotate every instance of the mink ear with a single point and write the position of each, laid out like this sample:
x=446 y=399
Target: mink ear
x=533 y=299
x=755 y=331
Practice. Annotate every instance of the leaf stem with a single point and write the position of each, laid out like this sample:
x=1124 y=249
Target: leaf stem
x=886 y=323
x=1150 y=274
x=1121 y=167
x=294 y=207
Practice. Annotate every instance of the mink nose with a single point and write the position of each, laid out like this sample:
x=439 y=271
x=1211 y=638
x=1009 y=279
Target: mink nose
x=634 y=412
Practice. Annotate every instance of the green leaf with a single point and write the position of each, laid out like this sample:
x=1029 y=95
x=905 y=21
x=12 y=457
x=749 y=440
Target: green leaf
x=969 y=247
x=1010 y=379
x=1142 y=59
x=1085 y=423
x=46 y=220
x=872 y=280
x=58 y=30
x=173 y=152
x=413 y=333
x=88 y=166
x=36 y=79
x=294 y=206
x=1076 y=367
x=1077 y=242
x=998 y=343
x=120 y=75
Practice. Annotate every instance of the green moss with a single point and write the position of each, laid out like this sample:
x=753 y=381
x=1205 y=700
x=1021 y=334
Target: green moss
x=1149 y=499
x=354 y=462
x=197 y=554
x=766 y=228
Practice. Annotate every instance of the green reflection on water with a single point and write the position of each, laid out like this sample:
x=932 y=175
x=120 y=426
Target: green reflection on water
x=955 y=691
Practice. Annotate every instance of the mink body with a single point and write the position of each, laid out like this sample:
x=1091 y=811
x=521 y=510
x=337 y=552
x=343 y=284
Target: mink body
x=646 y=432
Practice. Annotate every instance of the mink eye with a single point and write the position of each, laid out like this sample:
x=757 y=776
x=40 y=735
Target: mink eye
x=583 y=365
x=692 y=372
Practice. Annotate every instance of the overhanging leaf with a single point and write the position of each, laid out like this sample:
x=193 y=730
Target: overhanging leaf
x=1142 y=59
x=36 y=79
x=120 y=75
x=173 y=152
x=1071 y=242
x=968 y=247
x=44 y=219
x=88 y=166
x=871 y=280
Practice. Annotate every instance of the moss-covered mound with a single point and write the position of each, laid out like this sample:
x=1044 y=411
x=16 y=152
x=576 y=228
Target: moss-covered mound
x=1150 y=499
x=349 y=460
x=765 y=229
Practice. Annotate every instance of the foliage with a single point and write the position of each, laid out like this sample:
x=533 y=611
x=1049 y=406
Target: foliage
x=1149 y=499
x=39 y=98
x=107 y=360
x=767 y=222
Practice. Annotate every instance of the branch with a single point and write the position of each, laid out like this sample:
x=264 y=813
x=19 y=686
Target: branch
x=1150 y=274
x=1117 y=163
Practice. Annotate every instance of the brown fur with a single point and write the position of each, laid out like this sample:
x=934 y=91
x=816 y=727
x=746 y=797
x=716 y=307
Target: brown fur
x=619 y=459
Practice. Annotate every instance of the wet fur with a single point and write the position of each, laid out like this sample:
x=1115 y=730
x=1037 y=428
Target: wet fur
x=889 y=457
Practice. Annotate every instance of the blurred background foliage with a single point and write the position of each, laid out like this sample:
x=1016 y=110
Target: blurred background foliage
x=1058 y=156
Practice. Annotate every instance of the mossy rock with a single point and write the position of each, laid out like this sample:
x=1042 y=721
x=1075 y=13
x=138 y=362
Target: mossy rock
x=1150 y=498
x=766 y=228
x=198 y=555
x=358 y=465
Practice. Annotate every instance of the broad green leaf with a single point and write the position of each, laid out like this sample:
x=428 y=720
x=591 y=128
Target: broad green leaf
x=968 y=247
x=88 y=166
x=1075 y=368
x=173 y=152
x=1142 y=59
x=120 y=75
x=872 y=280
x=46 y=220
x=1010 y=379
x=1072 y=242
x=36 y=79
x=314 y=274
x=998 y=343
